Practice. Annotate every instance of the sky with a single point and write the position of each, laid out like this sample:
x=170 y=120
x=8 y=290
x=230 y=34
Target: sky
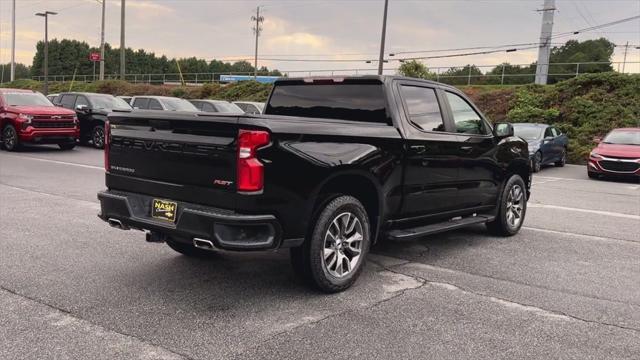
x=326 y=30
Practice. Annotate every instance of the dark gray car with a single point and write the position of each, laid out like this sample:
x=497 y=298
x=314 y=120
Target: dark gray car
x=547 y=144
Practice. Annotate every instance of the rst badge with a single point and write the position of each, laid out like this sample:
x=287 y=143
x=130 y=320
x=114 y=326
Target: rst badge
x=222 y=182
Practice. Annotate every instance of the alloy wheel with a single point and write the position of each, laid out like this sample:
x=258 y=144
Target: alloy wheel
x=343 y=245
x=515 y=206
x=9 y=137
x=98 y=137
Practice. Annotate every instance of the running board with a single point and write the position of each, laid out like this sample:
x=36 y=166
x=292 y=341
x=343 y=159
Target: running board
x=418 y=232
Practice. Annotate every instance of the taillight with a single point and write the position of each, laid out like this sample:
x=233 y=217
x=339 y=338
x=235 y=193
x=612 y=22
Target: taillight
x=250 y=169
x=107 y=140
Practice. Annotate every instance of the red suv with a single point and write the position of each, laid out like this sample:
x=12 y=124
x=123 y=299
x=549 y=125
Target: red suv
x=618 y=154
x=27 y=116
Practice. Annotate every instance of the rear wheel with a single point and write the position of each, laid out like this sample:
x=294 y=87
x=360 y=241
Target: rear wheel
x=563 y=159
x=97 y=136
x=333 y=256
x=10 y=138
x=67 y=146
x=189 y=249
x=513 y=207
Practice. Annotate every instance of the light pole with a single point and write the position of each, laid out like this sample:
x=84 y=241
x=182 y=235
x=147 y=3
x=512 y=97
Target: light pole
x=122 y=49
x=104 y=4
x=13 y=41
x=382 y=38
x=46 y=48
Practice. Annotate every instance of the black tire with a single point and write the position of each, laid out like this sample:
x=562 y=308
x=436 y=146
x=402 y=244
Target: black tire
x=97 y=136
x=67 y=146
x=593 y=175
x=502 y=225
x=563 y=159
x=536 y=162
x=310 y=259
x=10 y=140
x=189 y=250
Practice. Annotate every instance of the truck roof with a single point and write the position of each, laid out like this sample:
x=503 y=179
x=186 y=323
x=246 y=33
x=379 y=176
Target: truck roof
x=358 y=78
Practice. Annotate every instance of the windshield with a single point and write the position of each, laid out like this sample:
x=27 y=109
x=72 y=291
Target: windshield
x=527 y=132
x=25 y=99
x=622 y=137
x=178 y=105
x=224 y=107
x=108 y=102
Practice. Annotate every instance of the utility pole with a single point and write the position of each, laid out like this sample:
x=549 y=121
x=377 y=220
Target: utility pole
x=122 y=46
x=104 y=5
x=382 y=38
x=46 y=48
x=257 y=29
x=13 y=41
x=624 y=60
x=544 y=51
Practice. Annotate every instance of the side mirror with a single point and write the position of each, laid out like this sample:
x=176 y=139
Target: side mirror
x=503 y=130
x=82 y=108
x=597 y=140
x=547 y=139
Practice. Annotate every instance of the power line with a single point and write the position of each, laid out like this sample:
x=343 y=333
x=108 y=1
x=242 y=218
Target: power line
x=596 y=27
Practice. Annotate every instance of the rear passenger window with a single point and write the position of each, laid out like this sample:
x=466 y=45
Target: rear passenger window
x=68 y=101
x=467 y=120
x=208 y=108
x=555 y=132
x=422 y=107
x=198 y=104
x=154 y=104
x=141 y=103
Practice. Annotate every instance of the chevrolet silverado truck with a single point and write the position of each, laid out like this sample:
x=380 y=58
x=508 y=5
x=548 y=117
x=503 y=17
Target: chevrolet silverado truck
x=332 y=166
x=27 y=116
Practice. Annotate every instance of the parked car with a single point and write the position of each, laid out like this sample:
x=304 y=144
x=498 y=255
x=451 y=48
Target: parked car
x=27 y=116
x=165 y=103
x=52 y=97
x=92 y=110
x=126 y=99
x=219 y=106
x=250 y=107
x=617 y=155
x=547 y=144
x=332 y=166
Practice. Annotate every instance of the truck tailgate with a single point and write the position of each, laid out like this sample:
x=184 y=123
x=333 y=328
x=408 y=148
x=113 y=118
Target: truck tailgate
x=191 y=150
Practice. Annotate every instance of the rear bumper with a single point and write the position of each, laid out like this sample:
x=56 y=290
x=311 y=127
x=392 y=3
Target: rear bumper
x=48 y=136
x=226 y=229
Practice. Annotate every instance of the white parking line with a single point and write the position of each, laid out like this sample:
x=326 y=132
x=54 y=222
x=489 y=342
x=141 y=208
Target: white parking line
x=598 y=212
x=57 y=162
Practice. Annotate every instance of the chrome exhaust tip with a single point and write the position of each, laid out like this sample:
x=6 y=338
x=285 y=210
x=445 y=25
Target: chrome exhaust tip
x=117 y=224
x=203 y=244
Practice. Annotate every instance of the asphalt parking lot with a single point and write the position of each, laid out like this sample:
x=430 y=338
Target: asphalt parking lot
x=567 y=286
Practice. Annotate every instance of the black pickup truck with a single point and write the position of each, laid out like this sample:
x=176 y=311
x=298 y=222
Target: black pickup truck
x=332 y=166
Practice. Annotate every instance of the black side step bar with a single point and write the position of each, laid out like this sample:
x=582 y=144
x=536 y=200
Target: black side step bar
x=418 y=232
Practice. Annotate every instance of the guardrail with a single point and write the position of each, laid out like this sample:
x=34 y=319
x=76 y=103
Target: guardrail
x=456 y=75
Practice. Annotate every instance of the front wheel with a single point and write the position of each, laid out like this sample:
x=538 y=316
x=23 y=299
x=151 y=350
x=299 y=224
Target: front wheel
x=10 y=138
x=536 y=162
x=97 y=136
x=563 y=159
x=513 y=207
x=333 y=256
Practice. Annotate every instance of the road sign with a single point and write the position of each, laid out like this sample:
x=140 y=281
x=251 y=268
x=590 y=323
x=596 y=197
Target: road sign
x=94 y=56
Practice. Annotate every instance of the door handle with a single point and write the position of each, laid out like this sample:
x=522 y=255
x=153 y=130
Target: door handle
x=419 y=149
x=466 y=149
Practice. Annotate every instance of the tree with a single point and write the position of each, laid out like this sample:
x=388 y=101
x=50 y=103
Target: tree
x=513 y=74
x=22 y=72
x=460 y=75
x=415 y=69
x=573 y=51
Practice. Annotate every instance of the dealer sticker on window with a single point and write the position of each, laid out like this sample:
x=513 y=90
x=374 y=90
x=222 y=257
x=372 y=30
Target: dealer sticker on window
x=165 y=210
